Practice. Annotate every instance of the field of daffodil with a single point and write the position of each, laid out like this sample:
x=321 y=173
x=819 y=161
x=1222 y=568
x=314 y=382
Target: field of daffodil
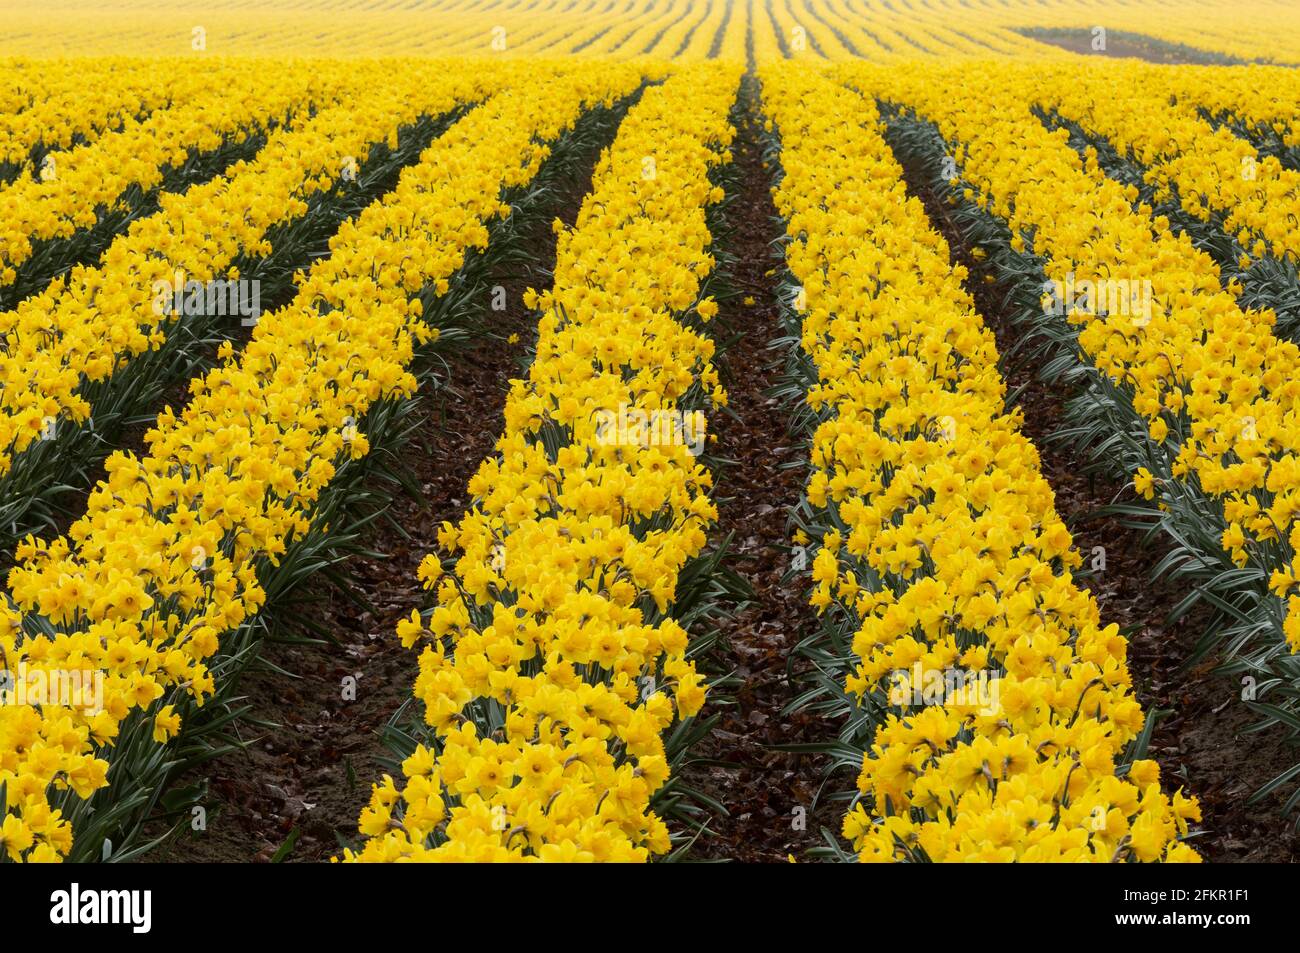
x=242 y=265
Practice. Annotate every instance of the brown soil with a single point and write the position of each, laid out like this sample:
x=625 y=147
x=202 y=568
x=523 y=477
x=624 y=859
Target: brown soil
x=1125 y=46
x=313 y=769
x=1200 y=743
x=762 y=788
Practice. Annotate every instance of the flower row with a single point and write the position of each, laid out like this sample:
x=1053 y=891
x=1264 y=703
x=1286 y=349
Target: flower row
x=551 y=666
x=84 y=328
x=166 y=563
x=229 y=103
x=1214 y=174
x=999 y=706
x=1215 y=391
x=76 y=101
